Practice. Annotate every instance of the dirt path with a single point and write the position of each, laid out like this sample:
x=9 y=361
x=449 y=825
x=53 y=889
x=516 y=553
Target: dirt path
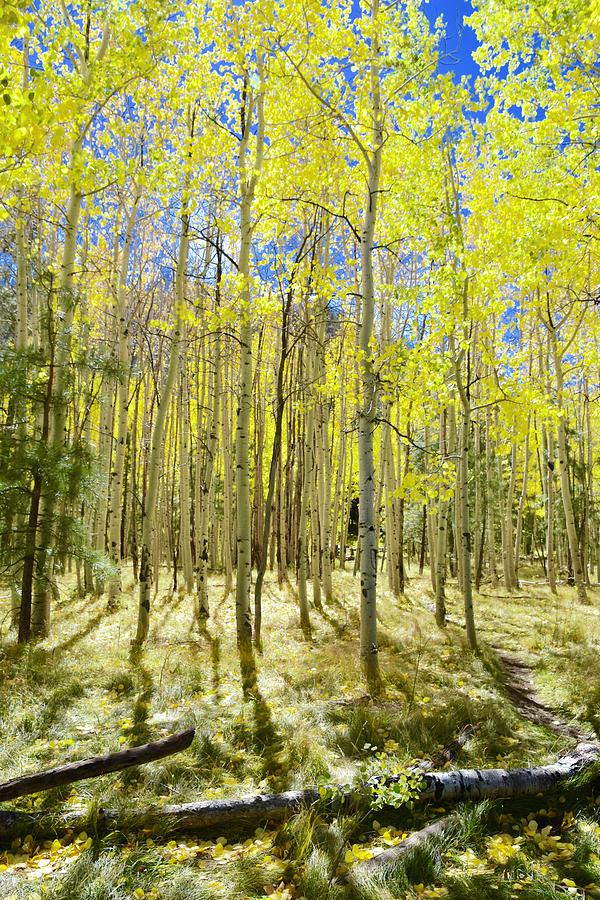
x=518 y=685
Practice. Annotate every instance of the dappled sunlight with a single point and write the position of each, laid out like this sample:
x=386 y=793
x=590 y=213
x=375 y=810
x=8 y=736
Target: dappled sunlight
x=307 y=722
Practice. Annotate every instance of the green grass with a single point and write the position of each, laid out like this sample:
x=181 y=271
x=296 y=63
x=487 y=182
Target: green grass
x=84 y=691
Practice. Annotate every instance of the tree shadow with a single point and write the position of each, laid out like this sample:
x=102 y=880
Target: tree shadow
x=214 y=643
x=78 y=636
x=342 y=629
x=141 y=732
x=267 y=741
x=60 y=699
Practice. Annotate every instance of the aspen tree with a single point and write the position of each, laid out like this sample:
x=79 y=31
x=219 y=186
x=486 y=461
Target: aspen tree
x=521 y=504
x=21 y=328
x=310 y=469
x=116 y=472
x=158 y=430
x=322 y=450
x=280 y=401
x=558 y=352
x=249 y=169
x=491 y=497
x=442 y=535
x=227 y=488
x=185 y=537
x=463 y=500
x=478 y=537
x=87 y=61
x=302 y=562
x=367 y=412
x=106 y=424
x=205 y=484
x=507 y=521
x=338 y=492
x=366 y=133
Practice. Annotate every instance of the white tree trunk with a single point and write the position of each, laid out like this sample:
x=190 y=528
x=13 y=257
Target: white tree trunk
x=156 y=446
x=116 y=475
x=563 y=467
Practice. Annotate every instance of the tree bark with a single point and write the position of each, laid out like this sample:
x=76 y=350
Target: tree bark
x=563 y=468
x=367 y=534
x=440 y=787
x=280 y=399
x=185 y=535
x=95 y=766
x=156 y=450
x=116 y=474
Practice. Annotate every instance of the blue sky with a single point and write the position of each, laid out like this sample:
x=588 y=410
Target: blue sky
x=461 y=39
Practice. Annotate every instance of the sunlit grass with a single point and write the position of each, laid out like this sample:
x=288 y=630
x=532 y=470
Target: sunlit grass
x=83 y=692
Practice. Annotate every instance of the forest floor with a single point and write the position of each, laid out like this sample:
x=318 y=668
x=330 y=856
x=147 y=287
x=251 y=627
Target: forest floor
x=84 y=691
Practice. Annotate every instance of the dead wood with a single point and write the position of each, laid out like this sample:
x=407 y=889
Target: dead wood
x=95 y=766
x=441 y=787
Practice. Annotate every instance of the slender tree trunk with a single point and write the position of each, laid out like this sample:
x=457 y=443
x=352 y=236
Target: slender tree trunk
x=116 y=475
x=29 y=557
x=40 y=617
x=442 y=537
x=466 y=530
x=156 y=447
x=185 y=534
x=227 y=490
x=367 y=534
x=563 y=468
x=463 y=481
x=302 y=544
x=491 y=498
x=21 y=344
x=274 y=466
x=521 y=506
x=249 y=173
x=242 y=446
x=507 y=532
x=206 y=487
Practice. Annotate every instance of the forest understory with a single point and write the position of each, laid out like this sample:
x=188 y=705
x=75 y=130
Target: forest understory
x=299 y=449
x=87 y=690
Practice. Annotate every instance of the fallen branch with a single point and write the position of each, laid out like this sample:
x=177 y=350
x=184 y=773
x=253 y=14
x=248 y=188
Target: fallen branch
x=96 y=765
x=462 y=784
x=393 y=855
x=478 y=784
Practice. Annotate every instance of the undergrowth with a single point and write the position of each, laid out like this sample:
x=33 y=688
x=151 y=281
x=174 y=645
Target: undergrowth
x=84 y=692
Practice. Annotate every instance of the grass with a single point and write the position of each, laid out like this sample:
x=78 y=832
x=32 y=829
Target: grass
x=84 y=691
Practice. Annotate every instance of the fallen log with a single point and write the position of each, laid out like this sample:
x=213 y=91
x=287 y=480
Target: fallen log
x=95 y=765
x=462 y=784
x=389 y=858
